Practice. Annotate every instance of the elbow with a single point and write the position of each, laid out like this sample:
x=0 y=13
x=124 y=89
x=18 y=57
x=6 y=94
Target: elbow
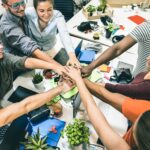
x=118 y=49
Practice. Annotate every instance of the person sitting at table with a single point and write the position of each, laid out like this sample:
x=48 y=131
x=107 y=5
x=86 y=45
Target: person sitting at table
x=138 y=88
x=14 y=34
x=139 y=35
x=10 y=63
x=44 y=22
x=138 y=111
x=13 y=111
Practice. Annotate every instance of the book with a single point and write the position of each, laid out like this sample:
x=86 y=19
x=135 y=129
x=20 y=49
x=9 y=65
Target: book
x=45 y=126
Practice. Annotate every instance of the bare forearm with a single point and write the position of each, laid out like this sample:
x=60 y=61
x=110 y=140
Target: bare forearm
x=33 y=63
x=13 y=111
x=106 y=56
x=43 y=56
x=114 y=51
x=99 y=122
x=114 y=99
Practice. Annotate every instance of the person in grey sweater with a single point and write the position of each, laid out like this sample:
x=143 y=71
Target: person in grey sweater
x=14 y=32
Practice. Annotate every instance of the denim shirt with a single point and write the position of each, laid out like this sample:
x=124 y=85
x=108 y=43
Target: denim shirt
x=14 y=36
x=46 y=39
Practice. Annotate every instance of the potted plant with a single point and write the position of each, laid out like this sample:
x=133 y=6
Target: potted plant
x=38 y=81
x=100 y=9
x=77 y=134
x=110 y=28
x=36 y=142
x=103 y=2
x=90 y=9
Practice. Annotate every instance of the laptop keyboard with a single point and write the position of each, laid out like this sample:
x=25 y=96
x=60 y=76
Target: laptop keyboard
x=3 y=131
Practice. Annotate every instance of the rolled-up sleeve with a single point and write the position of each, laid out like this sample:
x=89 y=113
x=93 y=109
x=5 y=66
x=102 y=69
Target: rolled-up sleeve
x=18 y=40
x=63 y=32
x=133 y=108
x=16 y=62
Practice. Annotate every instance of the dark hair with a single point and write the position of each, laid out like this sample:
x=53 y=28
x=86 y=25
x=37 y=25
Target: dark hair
x=143 y=131
x=36 y=2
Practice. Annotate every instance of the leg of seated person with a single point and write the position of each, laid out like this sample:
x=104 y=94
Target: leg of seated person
x=114 y=99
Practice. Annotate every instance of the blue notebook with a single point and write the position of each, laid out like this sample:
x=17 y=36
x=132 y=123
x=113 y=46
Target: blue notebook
x=84 y=56
x=45 y=126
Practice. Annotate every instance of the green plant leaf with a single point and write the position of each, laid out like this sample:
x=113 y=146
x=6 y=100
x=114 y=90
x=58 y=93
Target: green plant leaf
x=43 y=140
x=37 y=78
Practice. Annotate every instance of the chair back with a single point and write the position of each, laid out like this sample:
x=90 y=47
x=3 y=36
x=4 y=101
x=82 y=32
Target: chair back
x=66 y=7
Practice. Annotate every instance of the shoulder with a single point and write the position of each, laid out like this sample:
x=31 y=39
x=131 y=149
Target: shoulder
x=57 y=14
x=141 y=32
x=144 y=27
x=5 y=18
x=7 y=22
x=30 y=13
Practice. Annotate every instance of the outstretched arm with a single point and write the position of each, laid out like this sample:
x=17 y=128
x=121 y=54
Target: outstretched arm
x=43 y=56
x=109 y=137
x=111 y=53
x=20 y=42
x=114 y=99
x=33 y=63
x=66 y=40
x=13 y=111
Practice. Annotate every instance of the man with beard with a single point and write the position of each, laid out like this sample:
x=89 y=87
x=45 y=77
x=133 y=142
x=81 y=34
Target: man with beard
x=14 y=34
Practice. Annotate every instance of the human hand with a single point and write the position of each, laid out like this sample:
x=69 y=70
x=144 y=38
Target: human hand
x=66 y=85
x=59 y=69
x=86 y=71
x=73 y=61
x=73 y=73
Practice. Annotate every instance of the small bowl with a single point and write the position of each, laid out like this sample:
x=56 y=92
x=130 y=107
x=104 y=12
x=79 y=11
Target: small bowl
x=56 y=109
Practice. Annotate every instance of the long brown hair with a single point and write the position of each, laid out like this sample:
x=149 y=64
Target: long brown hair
x=36 y=2
x=143 y=131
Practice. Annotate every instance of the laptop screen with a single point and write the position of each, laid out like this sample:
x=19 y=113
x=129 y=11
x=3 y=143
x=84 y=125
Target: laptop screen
x=78 y=48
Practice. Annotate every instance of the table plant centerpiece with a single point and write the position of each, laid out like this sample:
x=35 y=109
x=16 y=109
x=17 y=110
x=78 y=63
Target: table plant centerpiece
x=77 y=134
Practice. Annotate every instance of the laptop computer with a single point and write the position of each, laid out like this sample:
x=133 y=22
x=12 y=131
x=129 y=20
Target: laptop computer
x=84 y=56
x=19 y=94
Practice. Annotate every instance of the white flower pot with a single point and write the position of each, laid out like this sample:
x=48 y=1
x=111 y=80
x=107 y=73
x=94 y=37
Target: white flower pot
x=99 y=13
x=40 y=85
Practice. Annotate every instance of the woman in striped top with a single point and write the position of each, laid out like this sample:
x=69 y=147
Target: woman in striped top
x=140 y=35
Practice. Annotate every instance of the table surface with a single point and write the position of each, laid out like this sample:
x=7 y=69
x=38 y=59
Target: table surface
x=120 y=17
x=119 y=125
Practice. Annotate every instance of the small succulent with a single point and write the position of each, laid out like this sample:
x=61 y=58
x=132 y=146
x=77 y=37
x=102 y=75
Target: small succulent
x=37 y=78
x=103 y=2
x=111 y=26
x=91 y=8
x=100 y=7
x=36 y=142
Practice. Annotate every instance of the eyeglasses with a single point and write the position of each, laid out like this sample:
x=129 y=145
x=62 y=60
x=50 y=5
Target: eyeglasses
x=17 y=5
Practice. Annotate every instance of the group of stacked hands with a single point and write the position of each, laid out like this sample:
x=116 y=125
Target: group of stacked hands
x=15 y=38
